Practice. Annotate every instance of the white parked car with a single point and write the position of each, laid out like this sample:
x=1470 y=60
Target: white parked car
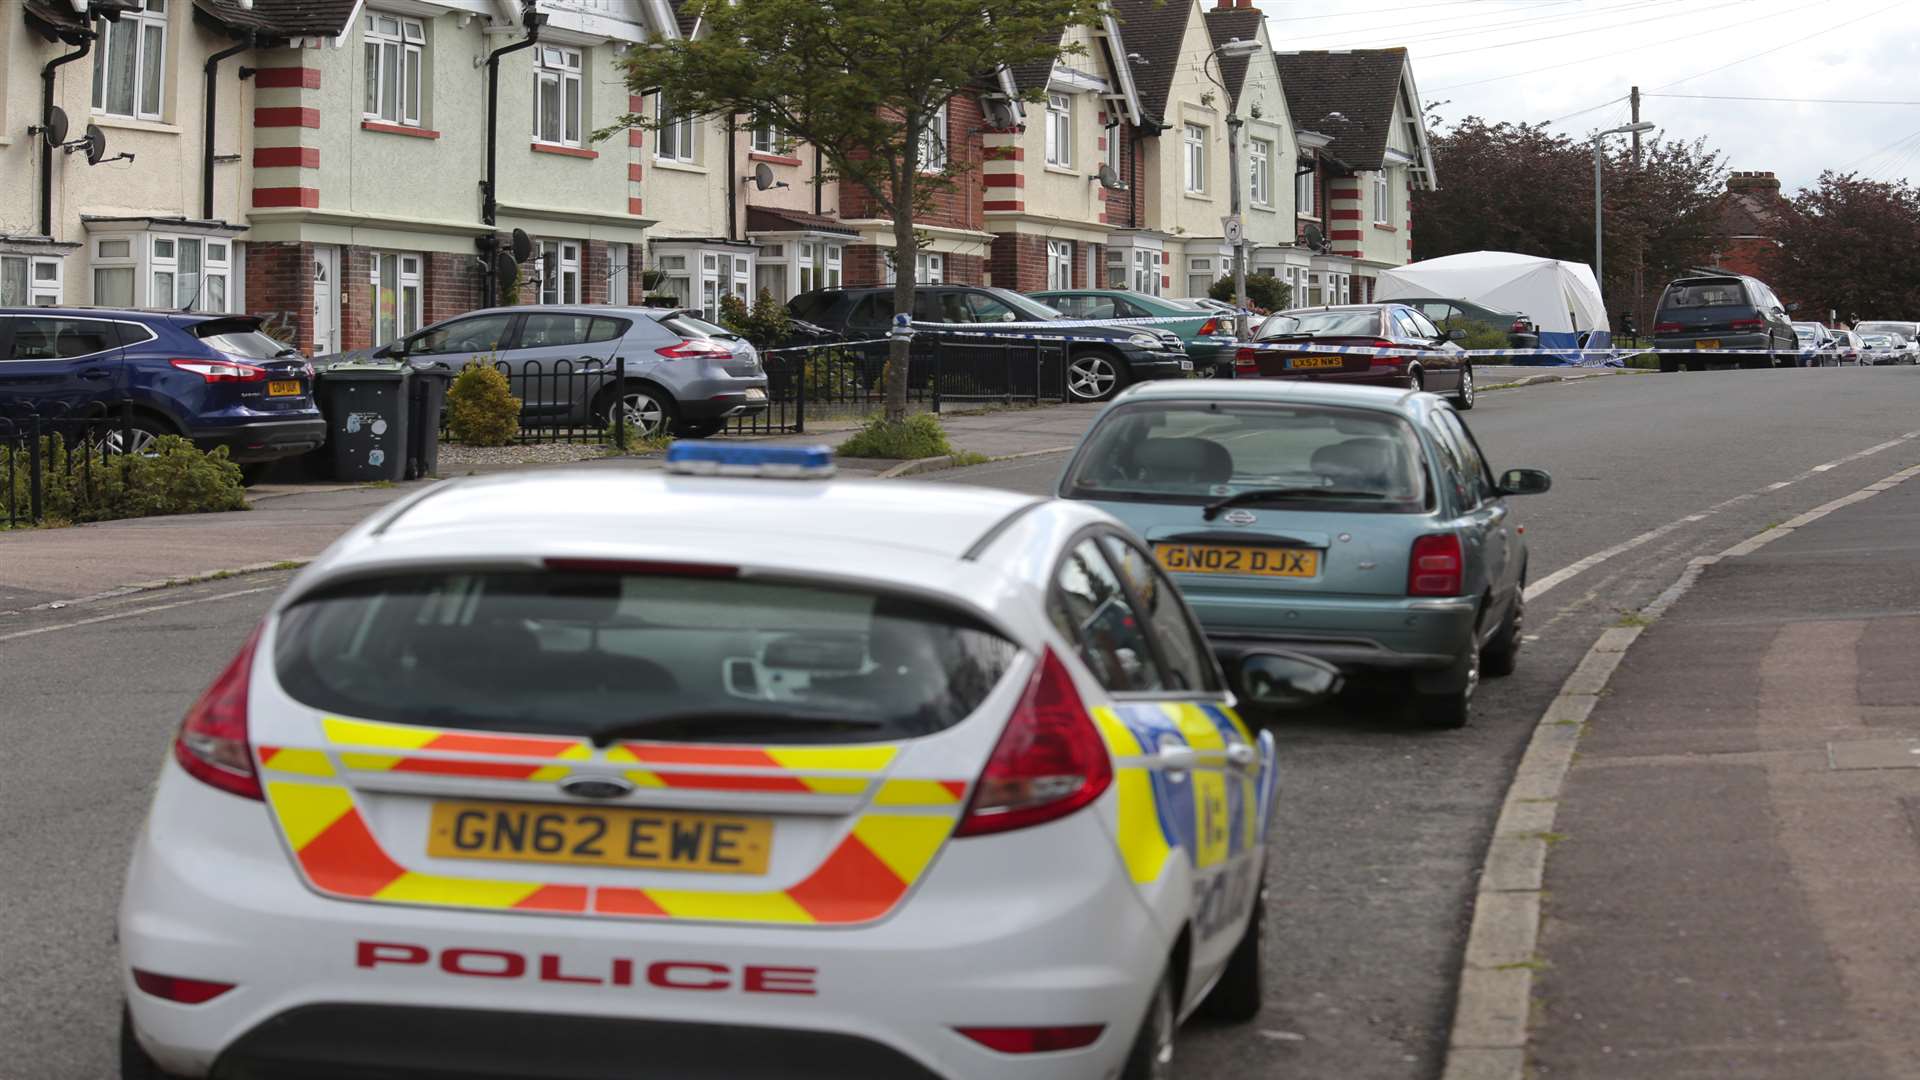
x=628 y=774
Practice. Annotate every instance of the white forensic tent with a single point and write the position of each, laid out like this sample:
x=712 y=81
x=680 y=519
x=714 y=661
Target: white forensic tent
x=1562 y=298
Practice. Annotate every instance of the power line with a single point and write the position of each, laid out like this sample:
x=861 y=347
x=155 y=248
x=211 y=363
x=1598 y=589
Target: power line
x=1796 y=100
x=1534 y=40
x=1583 y=112
x=1460 y=28
x=1409 y=7
x=1794 y=43
x=1887 y=149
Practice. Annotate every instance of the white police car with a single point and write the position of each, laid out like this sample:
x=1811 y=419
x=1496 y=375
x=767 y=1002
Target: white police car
x=621 y=774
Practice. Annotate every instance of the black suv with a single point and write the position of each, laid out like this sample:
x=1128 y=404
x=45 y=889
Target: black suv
x=1699 y=316
x=1101 y=359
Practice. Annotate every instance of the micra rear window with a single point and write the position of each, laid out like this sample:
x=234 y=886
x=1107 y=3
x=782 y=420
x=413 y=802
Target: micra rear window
x=612 y=655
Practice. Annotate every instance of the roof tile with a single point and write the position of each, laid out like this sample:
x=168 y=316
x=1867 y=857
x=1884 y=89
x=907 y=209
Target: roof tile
x=1359 y=84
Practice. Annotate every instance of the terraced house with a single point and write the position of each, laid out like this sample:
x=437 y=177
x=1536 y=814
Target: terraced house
x=1364 y=151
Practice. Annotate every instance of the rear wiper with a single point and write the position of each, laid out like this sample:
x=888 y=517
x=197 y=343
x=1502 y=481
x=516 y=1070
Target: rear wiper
x=717 y=721
x=1262 y=494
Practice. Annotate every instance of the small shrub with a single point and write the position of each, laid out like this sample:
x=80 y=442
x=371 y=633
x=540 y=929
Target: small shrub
x=1479 y=335
x=917 y=436
x=831 y=375
x=171 y=476
x=766 y=324
x=481 y=410
x=1264 y=291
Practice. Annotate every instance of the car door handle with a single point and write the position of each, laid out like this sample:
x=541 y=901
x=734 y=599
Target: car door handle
x=96 y=373
x=1175 y=758
x=1244 y=757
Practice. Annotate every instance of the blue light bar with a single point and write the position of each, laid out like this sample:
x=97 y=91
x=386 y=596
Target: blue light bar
x=699 y=458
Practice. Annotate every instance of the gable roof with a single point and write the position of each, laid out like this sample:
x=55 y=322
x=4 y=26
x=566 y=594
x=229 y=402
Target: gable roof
x=1156 y=30
x=1359 y=84
x=686 y=15
x=1749 y=213
x=1229 y=24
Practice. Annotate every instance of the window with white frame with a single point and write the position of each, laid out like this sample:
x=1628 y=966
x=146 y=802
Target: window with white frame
x=1382 y=199
x=1146 y=272
x=396 y=295
x=1059 y=264
x=1303 y=193
x=30 y=279
x=129 y=66
x=929 y=268
x=933 y=141
x=710 y=285
x=674 y=139
x=766 y=139
x=679 y=279
x=393 y=47
x=1260 y=169
x=558 y=105
x=188 y=273
x=1200 y=276
x=1060 y=130
x=1113 y=148
x=559 y=271
x=619 y=273
x=819 y=266
x=1196 y=147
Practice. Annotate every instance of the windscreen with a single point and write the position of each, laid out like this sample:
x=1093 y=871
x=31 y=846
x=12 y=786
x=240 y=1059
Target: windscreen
x=1904 y=329
x=240 y=340
x=1324 y=324
x=1312 y=457
x=688 y=325
x=641 y=655
x=1702 y=294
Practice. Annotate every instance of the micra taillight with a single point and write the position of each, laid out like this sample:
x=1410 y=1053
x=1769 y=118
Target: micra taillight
x=1049 y=762
x=213 y=744
x=1436 y=566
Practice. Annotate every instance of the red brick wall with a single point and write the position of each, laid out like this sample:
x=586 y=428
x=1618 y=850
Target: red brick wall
x=1748 y=255
x=1124 y=207
x=452 y=286
x=959 y=208
x=1082 y=254
x=593 y=273
x=966 y=270
x=280 y=288
x=1019 y=262
x=356 y=298
x=864 y=265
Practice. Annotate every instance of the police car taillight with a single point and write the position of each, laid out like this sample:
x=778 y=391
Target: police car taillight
x=1049 y=762
x=1034 y=1040
x=212 y=745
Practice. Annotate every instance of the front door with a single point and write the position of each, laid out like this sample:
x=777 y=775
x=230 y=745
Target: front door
x=326 y=299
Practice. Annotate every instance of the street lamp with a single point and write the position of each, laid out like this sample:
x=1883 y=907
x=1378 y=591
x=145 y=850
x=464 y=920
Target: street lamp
x=1628 y=129
x=1235 y=47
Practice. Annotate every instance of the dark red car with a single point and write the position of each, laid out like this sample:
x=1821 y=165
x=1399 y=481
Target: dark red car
x=1435 y=364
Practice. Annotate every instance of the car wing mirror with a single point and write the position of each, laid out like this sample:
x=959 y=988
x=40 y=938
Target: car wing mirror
x=1455 y=334
x=1525 y=482
x=1284 y=680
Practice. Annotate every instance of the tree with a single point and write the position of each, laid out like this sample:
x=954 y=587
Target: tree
x=1849 y=245
x=1264 y=291
x=862 y=80
x=1521 y=188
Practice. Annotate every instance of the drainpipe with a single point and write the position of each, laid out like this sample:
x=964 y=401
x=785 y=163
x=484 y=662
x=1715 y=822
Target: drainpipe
x=816 y=180
x=46 y=121
x=206 y=143
x=489 y=205
x=733 y=182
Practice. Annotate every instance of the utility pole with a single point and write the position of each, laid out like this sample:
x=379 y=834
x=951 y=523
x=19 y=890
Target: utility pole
x=1640 y=248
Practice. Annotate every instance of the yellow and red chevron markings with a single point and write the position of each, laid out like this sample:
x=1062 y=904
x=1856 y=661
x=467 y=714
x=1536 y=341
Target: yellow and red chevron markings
x=865 y=875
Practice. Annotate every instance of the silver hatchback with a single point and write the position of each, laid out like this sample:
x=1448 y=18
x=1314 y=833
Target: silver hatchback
x=683 y=375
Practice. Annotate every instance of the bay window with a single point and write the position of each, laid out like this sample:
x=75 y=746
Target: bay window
x=393 y=48
x=557 y=101
x=129 y=66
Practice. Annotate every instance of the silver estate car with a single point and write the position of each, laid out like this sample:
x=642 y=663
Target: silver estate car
x=684 y=375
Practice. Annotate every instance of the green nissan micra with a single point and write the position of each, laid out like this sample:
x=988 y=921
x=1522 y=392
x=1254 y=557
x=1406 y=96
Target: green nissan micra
x=1358 y=524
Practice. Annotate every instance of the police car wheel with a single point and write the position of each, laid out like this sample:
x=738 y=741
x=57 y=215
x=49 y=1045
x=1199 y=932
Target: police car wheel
x=1237 y=997
x=1152 y=1055
x=134 y=1062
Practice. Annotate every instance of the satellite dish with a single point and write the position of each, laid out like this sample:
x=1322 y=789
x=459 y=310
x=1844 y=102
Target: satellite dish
x=999 y=113
x=56 y=129
x=96 y=141
x=762 y=177
x=1110 y=179
x=522 y=246
x=505 y=269
x=1312 y=237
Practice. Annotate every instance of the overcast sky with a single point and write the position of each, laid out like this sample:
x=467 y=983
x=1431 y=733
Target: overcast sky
x=1537 y=60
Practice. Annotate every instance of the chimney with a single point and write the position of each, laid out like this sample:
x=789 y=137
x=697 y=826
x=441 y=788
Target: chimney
x=1754 y=183
x=1233 y=5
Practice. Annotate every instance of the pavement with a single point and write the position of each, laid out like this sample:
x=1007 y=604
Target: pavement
x=1732 y=893
x=1382 y=829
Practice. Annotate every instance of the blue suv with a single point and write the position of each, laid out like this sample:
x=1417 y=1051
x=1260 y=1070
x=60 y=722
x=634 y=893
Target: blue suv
x=215 y=379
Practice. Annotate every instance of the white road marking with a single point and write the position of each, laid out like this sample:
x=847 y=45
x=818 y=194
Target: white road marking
x=1565 y=573
x=148 y=610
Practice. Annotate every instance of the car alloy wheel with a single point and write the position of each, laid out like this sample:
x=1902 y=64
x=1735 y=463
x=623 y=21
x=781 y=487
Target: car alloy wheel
x=1151 y=1057
x=1091 y=377
x=1464 y=398
x=644 y=411
x=137 y=440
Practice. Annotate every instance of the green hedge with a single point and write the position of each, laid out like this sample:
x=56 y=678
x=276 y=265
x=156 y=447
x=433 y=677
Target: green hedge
x=170 y=477
x=917 y=436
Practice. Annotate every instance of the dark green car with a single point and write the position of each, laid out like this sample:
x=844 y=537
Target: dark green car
x=1206 y=332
